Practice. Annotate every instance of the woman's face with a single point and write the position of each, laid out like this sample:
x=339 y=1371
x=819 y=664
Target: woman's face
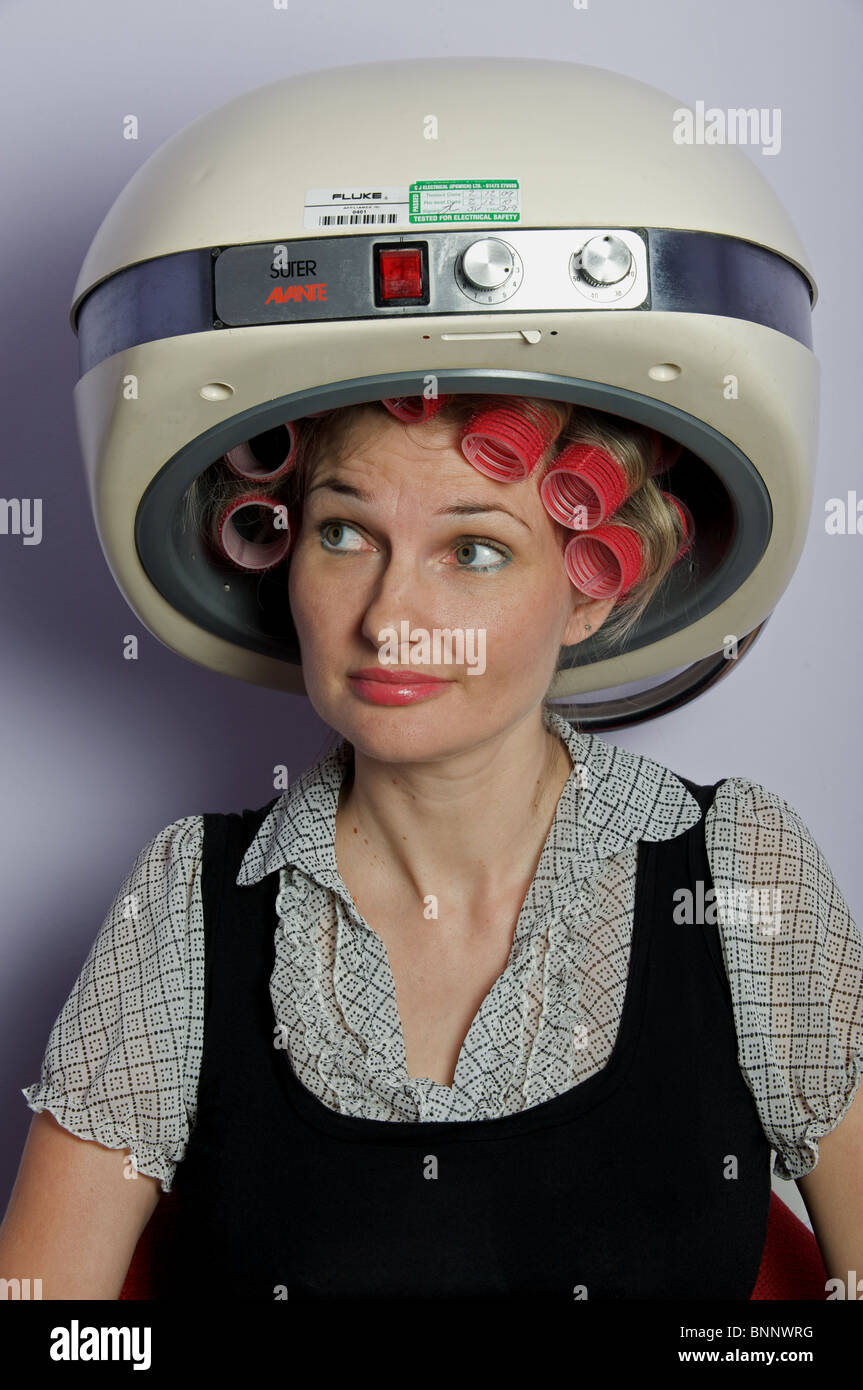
x=404 y=541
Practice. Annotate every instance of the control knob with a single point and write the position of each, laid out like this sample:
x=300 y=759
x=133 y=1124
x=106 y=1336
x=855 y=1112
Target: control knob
x=487 y=264
x=605 y=260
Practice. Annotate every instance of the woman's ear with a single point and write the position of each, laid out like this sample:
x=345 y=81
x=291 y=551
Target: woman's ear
x=586 y=612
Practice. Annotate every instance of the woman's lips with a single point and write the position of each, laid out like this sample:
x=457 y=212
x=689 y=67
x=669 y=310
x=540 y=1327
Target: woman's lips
x=394 y=675
x=389 y=687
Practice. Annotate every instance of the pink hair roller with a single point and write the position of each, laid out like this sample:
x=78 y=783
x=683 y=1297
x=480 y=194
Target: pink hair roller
x=584 y=486
x=506 y=440
x=605 y=562
x=258 y=551
x=687 y=521
x=414 y=409
x=244 y=461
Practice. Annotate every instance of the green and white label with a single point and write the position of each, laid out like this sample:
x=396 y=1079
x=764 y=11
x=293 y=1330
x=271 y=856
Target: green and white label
x=465 y=200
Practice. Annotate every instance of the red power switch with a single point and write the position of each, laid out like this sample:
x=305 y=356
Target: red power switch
x=401 y=272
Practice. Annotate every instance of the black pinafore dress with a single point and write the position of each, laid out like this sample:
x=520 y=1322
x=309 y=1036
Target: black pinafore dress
x=650 y=1179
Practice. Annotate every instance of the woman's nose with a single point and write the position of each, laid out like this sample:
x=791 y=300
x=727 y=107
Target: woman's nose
x=398 y=594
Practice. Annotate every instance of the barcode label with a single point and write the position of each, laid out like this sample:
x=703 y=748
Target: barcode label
x=385 y=206
x=355 y=219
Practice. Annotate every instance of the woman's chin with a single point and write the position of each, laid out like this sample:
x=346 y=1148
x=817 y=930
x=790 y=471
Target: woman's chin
x=418 y=731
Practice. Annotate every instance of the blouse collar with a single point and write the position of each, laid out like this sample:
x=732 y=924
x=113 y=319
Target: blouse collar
x=611 y=799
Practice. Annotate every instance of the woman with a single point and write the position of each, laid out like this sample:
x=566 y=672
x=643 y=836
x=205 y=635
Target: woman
x=495 y=1045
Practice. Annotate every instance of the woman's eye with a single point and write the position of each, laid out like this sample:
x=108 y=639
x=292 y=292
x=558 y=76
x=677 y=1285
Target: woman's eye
x=340 y=529
x=468 y=547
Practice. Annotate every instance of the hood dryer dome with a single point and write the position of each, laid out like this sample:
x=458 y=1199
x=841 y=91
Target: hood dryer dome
x=568 y=247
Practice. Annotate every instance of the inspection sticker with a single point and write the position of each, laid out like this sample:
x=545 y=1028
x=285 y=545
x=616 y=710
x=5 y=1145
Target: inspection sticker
x=363 y=206
x=465 y=200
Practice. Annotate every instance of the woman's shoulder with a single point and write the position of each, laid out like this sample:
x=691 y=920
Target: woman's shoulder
x=179 y=842
x=756 y=838
x=743 y=798
x=756 y=835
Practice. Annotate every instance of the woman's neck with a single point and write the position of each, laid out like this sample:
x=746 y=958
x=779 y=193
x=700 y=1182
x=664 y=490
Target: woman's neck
x=477 y=822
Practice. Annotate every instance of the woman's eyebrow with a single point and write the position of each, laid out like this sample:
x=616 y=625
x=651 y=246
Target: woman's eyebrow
x=469 y=508
x=465 y=507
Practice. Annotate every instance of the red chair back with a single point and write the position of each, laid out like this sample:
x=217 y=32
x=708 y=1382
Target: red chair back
x=791 y=1266
x=153 y=1251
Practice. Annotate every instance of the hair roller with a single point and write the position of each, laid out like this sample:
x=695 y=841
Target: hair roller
x=606 y=562
x=506 y=440
x=265 y=457
x=414 y=409
x=584 y=486
x=252 y=542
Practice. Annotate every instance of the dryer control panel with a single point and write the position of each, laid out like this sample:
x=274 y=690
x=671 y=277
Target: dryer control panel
x=451 y=272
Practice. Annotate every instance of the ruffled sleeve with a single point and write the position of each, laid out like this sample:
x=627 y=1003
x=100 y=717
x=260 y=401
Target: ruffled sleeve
x=122 y=1059
x=794 y=958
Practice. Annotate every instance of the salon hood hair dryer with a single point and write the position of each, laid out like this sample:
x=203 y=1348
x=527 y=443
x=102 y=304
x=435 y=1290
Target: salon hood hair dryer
x=510 y=226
